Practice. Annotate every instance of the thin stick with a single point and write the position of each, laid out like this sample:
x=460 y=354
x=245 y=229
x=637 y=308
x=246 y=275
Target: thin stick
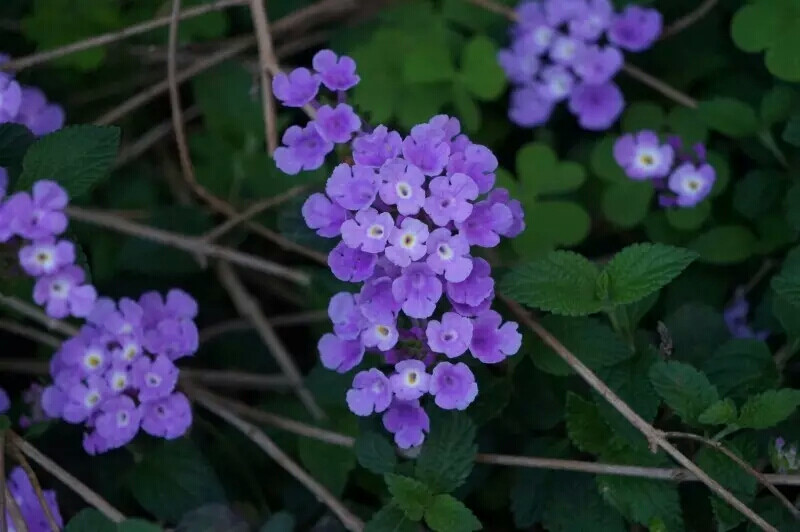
x=742 y=463
x=14 y=512
x=30 y=333
x=348 y=519
x=654 y=436
x=70 y=481
x=194 y=245
x=30 y=311
x=249 y=309
x=284 y=320
x=659 y=86
x=267 y=62
x=150 y=138
x=37 y=488
x=107 y=38
x=687 y=20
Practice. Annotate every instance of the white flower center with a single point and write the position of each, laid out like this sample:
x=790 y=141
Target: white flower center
x=543 y=35
x=44 y=258
x=126 y=328
x=559 y=86
x=565 y=49
x=412 y=378
x=445 y=251
x=383 y=331
x=647 y=158
x=403 y=190
x=119 y=382
x=130 y=352
x=449 y=336
x=91 y=399
x=153 y=380
x=93 y=359
x=123 y=418
x=377 y=387
x=59 y=289
x=376 y=231
x=408 y=241
x=692 y=185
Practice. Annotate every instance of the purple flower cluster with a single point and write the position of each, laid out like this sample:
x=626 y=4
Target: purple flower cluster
x=683 y=177
x=117 y=375
x=27 y=106
x=408 y=210
x=20 y=488
x=735 y=316
x=570 y=50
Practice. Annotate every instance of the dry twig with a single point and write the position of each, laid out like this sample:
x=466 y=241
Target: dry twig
x=15 y=512
x=30 y=333
x=284 y=320
x=36 y=314
x=688 y=19
x=267 y=64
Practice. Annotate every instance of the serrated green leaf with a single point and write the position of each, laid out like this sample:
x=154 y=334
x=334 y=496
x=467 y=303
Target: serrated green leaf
x=530 y=488
x=15 y=140
x=685 y=390
x=561 y=282
x=329 y=464
x=731 y=476
x=480 y=72
x=448 y=454
x=641 y=269
x=591 y=341
x=411 y=495
x=696 y=331
x=447 y=514
x=723 y=412
x=540 y=171
x=768 y=409
x=575 y=506
x=586 y=429
x=390 y=518
x=173 y=479
x=76 y=157
x=740 y=368
x=729 y=116
x=375 y=452
x=726 y=244
x=643 y=500
x=90 y=520
x=627 y=204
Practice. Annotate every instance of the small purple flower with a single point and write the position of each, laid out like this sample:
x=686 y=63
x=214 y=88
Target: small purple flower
x=5 y=402
x=3 y=182
x=10 y=97
x=53 y=401
x=486 y=223
x=129 y=350
x=453 y=386
x=635 y=29
x=451 y=336
x=383 y=335
x=476 y=288
x=297 y=88
x=596 y=106
x=450 y=198
x=402 y=186
x=591 y=22
x=352 y=265
x=323 y=215
x=449 y=255
x=561 y=11
x=427 y=149
x=642 y=155
x=407 y=242
x=44 y=257
x=596 y=65
x=88 y=355
x=173 y=338
x=476 y=161
x=369 y=231
x=40 y=215
x=337 y=124
x=21 y=490
x=352 y=187
x=376 y=301
x=37 y=114
x=63 y=294
x=528 y=108
x=118 y=421
x=521 y=62
x=371 y=392
x=502 y=196
x=118 y=377
x=735 y=316
x=408 y=422
x=340 y=355
x=410 y=380
x=556 y=83
x=565 y=49
x=345 y=314
x=376 y=148
x=84 y=399
x=418 y=289
x=304 y=149
x=154 y=378
x=691 y=184
x=125 y=321
x=167 y=418
x=491 y=342
x=338 y=74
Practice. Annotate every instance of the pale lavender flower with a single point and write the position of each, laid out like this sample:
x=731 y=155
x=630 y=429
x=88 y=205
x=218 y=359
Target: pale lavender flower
x=502 y=196
x=337 y=124
x=643 y=156
x=376 y=148
x=167 y=418
x=453 y=386
x=376 y=301
x=84 y=399
x=596 y=106
x=10 y=97
x=340 y=355
x=521 y=62
x=118 y=421
x=635 y=29
x=371 y=392
x=154 y=378
x=64 y=293
x=337 y=73
x=691 y=184
x=410 y=380
x=449 y=255
x=345 y=314
x=37 y=114
x=556 y=83
x=408 y=422
x=3 y=182
x=592 y=21
x=5 y=401
x=427 y=149
x=528 y=108
x=402 y=186
x=407 y=242
x=476 y=161
x=46 y=256
x=352 y=187
x=565 y=49
x=486 y=223
x=297 y=88
x=418 y=289
x=476 y=288
x=323 y=215
x=596 y=65
x=304 y=149
x=118 y=377
x=353 y=265
x=450 y=198
x=382 y=335
x=451 y=336
x=369 y=231
x=40 y=215
x=491 y=342
x=30 y=507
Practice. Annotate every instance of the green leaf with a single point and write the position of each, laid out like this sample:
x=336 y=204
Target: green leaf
x=551 y=223
x=725 y=244
x=627 y=204
x=643 y=500
x=685 y=123
x=466 y=109
x=642 y=115
x=792 y=206
x=173 y=479
x=723 y=412
x=428 y=60
x=757 y=193
x=480 y=72
x=603 y=164
x=777 y=104
x=729 y=116
x=531 y=488
x=576 y=506
x=586 y=429
x=76 y=157
x=696 y=331
x=731 y=476
x=448 y=454
x=447 y=514
x=787 y=284
x=590 y=340
x=90 y=520
x=766 y=410
x=641 y=269
x=780 y=59
x=561 y=282
x=690 y=218
x=791 y=133
x=740 y=368
x=329 y=464
x=390 y=518
x=753 y=26
x=685 y=390
x=279 y=522
x=411 y=495
x=375 y=452
x=540 y=171
x=15 y=140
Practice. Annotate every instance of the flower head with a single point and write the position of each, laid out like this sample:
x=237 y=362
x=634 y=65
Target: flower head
x=635 y=29
x=691 y=184
x=371 y=392
x=453 y=386
x=337 y=124
x=337 y=73
x=408 y=422
x=451 y=336
x=596 y=106
x=297 y=88
x=305 y=149
x=410 y=380
x=643 y=156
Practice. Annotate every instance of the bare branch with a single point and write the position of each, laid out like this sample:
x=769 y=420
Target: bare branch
x=687 y=20
x=284 y=320
x=132 y=151
x=35 y=313
x=30 y=333
x=267 y=63
x=659 y=86
x=15 y=512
